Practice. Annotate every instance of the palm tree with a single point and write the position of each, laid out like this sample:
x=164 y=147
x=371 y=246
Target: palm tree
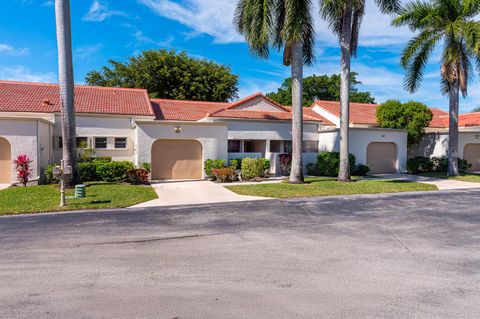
x=65 y=76
x=452 y=22
x=283 y=24
x=344 y=18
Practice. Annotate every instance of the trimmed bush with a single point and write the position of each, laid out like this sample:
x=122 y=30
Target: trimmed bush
x=236 y=163
x=254 y=167
x=210 y=164
x=88 y=171
x=421 y=164
x=49 y=174
x=328 y=163
x=225 y=174
x=360 y=170
x=113 y=171
x=147 y=167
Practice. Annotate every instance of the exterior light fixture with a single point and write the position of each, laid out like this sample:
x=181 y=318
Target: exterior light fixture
x=177 y=129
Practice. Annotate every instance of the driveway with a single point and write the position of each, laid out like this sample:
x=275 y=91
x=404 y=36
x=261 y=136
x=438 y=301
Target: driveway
x=441 y=183
x=375 y=256
x=174 y=193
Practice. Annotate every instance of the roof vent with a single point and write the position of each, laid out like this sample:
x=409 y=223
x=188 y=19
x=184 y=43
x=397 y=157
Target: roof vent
x=46 y=102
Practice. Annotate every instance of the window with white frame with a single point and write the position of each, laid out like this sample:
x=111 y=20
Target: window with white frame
x=100 y=142
x=120 y=142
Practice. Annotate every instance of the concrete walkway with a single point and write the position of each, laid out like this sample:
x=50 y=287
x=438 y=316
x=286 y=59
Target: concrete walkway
x=4 y=186
x=173 y=193
x=439 y=182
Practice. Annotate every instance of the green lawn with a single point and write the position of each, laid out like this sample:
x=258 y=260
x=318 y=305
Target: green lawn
x=464 y=177
x=325 y=186
x=45 y=198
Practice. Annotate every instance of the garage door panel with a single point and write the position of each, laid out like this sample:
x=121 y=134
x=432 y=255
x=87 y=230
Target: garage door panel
x=382 y=157
x=5 y=161
x=177 y=159
x=471 y=152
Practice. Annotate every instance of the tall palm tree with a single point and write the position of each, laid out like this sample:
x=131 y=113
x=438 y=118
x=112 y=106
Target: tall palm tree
x=344 y=18
x=283 y=24
x=453 y=23
x=65 y=77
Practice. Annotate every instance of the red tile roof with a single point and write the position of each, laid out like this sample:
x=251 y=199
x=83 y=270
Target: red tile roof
x=439 y=119
x=184 y=110
x=260 y=115
x=44 y=98
x=469 y=119
x=254 y=96
x=360 y=113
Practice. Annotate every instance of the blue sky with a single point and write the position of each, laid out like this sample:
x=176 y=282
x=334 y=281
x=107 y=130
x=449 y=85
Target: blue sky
x=117 y=29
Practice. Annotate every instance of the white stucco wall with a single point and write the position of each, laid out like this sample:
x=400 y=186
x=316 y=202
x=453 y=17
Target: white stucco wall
x=262 y=130
x=103 y=126
x=45 y=148
x=436 y=144
x=361 y=137
x=258 y=104
x=22 y=136
x=213 y=138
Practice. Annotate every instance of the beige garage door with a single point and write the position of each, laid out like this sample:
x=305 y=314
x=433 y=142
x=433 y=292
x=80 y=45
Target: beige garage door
x=471 y=152
x=176 y=159
x=382 y=158
x=5 y=161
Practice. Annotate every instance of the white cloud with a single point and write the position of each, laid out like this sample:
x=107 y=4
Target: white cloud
x=48 y=3
x=10 y=50
x=22 y=73
x=212 y=17
x=85 y=52
x=141 y=38
x=99 y=11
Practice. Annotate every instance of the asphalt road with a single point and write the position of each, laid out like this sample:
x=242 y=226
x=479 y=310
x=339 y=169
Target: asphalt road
x=388 y=256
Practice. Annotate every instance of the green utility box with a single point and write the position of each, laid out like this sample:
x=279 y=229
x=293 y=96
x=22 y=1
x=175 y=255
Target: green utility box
x=80 y=191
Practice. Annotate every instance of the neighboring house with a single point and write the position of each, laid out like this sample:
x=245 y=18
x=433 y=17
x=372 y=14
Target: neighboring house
x=383 y=150
x=435 y=141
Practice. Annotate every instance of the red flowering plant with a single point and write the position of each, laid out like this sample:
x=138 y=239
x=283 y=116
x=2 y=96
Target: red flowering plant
x=285 y=164
x=22 y=166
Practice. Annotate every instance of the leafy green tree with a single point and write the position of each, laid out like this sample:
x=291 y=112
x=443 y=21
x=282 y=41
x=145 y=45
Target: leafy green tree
x=411 y=116
x=345 y=18
x=476 y=109
x=321 y=87
x=287 y=25
x=170 y=75
x=453 y=23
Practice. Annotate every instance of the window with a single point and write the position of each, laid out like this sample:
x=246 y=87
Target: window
x=310 y=146
x=100 y=142
x=120 y=142
x=275 y=146
x=234 y=146
x=81 y=142
x=287 y=147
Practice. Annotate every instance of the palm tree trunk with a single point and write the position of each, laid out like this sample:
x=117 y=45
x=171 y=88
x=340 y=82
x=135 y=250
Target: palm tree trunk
x=345 y=46
x=296 y=173
x=65 y=77
x=453 y=130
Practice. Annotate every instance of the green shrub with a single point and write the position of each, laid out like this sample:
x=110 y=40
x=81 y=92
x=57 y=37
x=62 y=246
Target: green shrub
x=225 y=174
x=146 y=166
x=360 y=170
x=88 y=171
x=254 y=167
x=49 y=174
x=102 y=159
x=328 y=163
x=113 y=171
x=209 y=164
x=236 y=162
x=421 y=164
x=312 y=170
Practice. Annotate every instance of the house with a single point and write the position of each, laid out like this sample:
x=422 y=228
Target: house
x=383 y=150
x=176 y=137
x=435 y=141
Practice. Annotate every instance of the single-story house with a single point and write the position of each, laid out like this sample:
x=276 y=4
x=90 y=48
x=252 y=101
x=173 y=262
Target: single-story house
x=383 y=150
x=435 y=141
x=176 y=137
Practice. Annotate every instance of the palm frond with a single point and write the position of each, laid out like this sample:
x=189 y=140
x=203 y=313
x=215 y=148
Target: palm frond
x=415 y=15
x=388 y=6
x=357 y=16
x=416 y=65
